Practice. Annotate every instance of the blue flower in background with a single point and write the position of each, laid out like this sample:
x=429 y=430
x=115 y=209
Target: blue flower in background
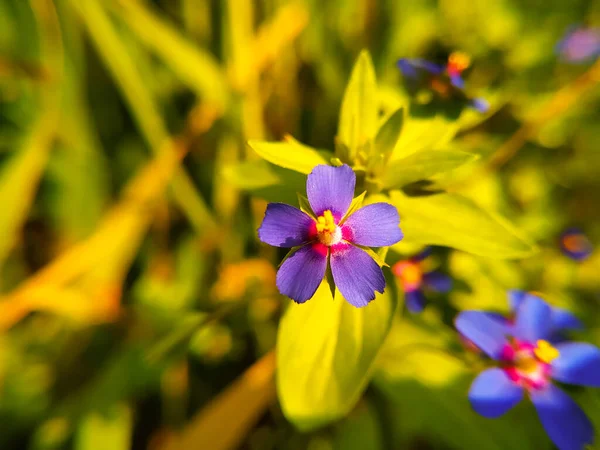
x=444 y=80
x=575 y=244
x=580 y=44
x=527 y=363
x=414 y=278
x=560 y=319
x=331 y=237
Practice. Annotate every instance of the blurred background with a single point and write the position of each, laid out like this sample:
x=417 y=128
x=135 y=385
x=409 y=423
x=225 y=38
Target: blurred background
x=138 y=309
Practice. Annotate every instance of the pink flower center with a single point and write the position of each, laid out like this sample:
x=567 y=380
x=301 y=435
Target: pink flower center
x=528 y=364
x=410 y=274
x=457 y=63
x=328 y=231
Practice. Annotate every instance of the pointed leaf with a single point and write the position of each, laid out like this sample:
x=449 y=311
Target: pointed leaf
x=454 y=221
x=300 y=158
x=423 y=165
x=358 y=115
x=325 y=352
x=388 y=135
x=305 y=205
x=357 y=203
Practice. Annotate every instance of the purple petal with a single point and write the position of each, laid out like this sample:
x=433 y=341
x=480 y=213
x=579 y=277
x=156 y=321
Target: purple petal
x=493 y=393
x=412 y=67
x=284 y=226
x=533 y=320
x=356 y=274
x=479 y=104
x=515 y=299
x=423 y=254
x=577 y=363
x=415 y=301
x=437 y=281
x=457 y=81
x=484 y=330
x=564 y=421
x=301 y=273
x=375 y=225
x=330 y=188
x=564 y=320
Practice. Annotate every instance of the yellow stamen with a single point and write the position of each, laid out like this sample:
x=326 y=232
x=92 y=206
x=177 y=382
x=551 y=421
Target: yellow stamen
x=459 y=61
x=326 y=222
x=526 y=364
x=545 y=352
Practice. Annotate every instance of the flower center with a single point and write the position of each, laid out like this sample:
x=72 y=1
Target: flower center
x=575 y=243
x=327 y=231
x=410 y=274
x=529 y=365
x=457 y=63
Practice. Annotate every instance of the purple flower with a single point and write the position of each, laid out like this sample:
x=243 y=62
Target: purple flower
x=331 y=235
x=575 y=244
x=580 y=44
x=527 y=363
x=560 y=319
x=413 y=278
x=444 y=80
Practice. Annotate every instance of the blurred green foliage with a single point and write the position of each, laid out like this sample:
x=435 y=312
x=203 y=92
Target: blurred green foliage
x=139 y=143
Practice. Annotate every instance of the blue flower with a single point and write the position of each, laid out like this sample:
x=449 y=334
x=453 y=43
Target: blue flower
x=580 y=44
x=414 y=278
x=528 y=363
x=575 y=244
x=444 y=80
x=330 y=235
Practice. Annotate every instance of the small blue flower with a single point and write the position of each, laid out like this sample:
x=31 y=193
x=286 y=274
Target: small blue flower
x=527 y=363
x=414 y=278
x=331 y=237
x=444 y=80
x=575 y=244
x=580 y=44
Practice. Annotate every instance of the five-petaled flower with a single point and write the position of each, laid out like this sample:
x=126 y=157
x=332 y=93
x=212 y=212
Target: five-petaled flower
x=528 y=362
x=414 y=277
x=331 y=235
x=580 y=44
x=445 y=81
x=575 y=244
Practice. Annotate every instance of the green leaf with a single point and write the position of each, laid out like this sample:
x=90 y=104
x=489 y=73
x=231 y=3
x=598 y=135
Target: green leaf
x=424 y=129
x=454 y=221
x=305 y=205
x=289 y=155
x=388 y=135
x=375 y=255
x=266 y=180
x=357 y=203
x=325 y=352
x=361 y=430
x=19 y=180
x=423 y=165
x=196 y=67
x=112 y=431
x=359 y=112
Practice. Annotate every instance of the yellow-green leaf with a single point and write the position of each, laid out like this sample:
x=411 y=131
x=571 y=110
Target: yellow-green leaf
x=423 y=165
x=454 y=221
x=289 y=155
x=359 y=112
x=325 y=352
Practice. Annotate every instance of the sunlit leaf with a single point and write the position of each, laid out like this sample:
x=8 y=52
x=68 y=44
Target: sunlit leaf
x=359 y=112
x=388 y=135
x=325 y=351
x=423 y=165
x=454 y=221
x=113 y=430
x=300 y=158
